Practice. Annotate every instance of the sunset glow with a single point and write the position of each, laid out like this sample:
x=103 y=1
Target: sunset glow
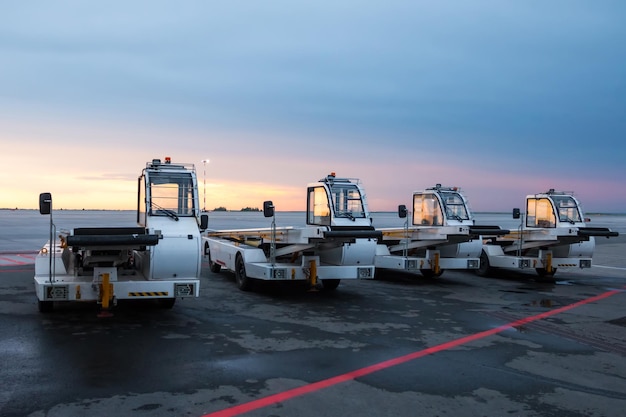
x=501 y=100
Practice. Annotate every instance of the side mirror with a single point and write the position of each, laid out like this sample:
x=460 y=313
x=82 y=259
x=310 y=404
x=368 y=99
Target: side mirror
x=268 y=209
x=402 y=212
x=204 y=221
x=45 y=203
x=516 y=213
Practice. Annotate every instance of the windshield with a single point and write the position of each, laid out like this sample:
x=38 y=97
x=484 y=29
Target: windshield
x=455 y=206
x=346 y=200
x=567 y=208
x=171 y=193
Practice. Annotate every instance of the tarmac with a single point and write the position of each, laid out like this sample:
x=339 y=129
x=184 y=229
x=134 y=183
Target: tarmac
x=400 y=345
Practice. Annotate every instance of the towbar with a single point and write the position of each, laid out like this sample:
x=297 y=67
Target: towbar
x=112 y=240
x=111 y=236
x=597 y=231
x=488 y=231
x=357 y=234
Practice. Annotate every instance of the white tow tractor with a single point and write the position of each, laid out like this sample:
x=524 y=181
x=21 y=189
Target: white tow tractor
x=552 y=235
x=338 y=241
x=159 y=259
x=442 y=235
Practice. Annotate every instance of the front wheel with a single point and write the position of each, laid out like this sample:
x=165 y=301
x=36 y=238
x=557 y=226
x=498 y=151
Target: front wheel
x=484 y=269
x=330 y=284
x=166 y=302
x=429 y=273
x=243 y=282
x=544 y=275
x=214 y=266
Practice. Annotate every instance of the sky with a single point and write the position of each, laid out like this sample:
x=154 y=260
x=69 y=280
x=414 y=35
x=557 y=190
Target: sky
x=500 y=98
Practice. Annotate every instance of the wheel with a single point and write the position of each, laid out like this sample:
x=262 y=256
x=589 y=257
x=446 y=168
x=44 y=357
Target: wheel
x=243 y=282
x=330 y=284
x=166 y=302
x=214 y=267
x=429 y=273
x=45 y=306
x=544 y=275
x=484 y=269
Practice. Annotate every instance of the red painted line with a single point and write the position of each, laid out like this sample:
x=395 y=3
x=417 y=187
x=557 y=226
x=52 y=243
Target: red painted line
x=13 y=261
x=326 y=383
x=12 y=271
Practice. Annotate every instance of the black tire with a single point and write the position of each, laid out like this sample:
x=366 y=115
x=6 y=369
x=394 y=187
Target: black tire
x=429 y=273
x=330 y=284
x=214 y=267
x=484 y=269
x=242 y=280
x=166 y=302
x=545 y=276
x=45 y=306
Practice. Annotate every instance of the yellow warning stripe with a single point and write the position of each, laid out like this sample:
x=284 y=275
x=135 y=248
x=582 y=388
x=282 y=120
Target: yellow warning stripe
x=148 y=294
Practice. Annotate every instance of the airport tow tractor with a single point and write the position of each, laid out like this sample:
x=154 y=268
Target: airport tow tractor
x=160 y=259
x=552 y=235
x=442 y=235
x=338 y=241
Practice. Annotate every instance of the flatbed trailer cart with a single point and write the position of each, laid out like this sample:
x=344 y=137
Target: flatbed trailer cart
x=159 y=259
x=552 y=235
x=337 y=243
x=442 y=235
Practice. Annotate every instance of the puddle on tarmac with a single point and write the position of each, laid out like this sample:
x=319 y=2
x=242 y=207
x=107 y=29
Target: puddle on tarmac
x=521 y=328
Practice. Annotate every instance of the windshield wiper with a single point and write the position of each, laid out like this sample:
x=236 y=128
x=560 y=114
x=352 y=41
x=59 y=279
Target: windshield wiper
x=168 y=212
x=346 y=214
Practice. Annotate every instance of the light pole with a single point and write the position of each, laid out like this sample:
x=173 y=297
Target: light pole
x=204 y=162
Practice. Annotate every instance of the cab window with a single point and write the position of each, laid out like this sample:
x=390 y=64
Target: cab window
x=426 y=210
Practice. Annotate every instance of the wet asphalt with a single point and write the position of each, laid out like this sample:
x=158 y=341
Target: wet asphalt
x=230 y=352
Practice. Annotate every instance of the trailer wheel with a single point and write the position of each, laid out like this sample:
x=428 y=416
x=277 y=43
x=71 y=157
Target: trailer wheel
x=429 y=273
x=484 y=269
x=330 y=284
x=166 y=302
x=45 y=306
x=214 y=267
x=243 y=282
x=544 y=275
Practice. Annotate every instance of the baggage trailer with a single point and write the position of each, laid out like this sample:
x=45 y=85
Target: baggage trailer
x=552 y=235
x=442 y=235
x=337 y=243
x=159 y=259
